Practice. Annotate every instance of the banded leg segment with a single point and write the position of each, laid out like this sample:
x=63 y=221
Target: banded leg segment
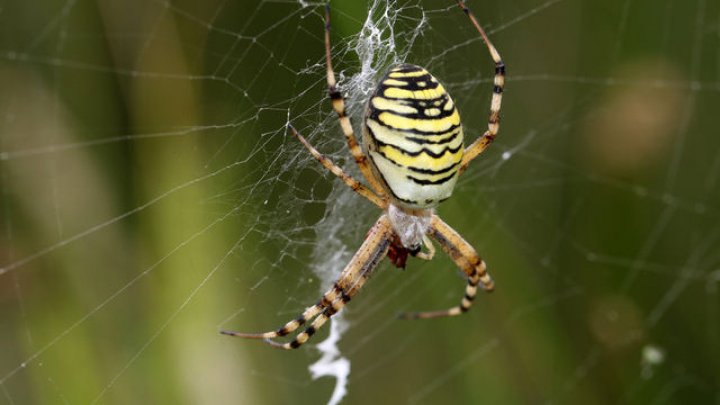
x=353 y=277
x=338 y=104
x=365 y=272
x=479 y=146
x=328 y=298
x=336 y=170
x=467 y=259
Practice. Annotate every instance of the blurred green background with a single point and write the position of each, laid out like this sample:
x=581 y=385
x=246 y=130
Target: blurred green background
x=150 y=196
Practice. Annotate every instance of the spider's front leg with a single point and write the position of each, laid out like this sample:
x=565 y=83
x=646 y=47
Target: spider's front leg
x=467 y=259
x=352 y=278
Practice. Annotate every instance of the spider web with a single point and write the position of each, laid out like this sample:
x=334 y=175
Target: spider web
x=151 y=196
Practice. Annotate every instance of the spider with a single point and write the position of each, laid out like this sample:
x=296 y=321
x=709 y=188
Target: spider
x=413 y=154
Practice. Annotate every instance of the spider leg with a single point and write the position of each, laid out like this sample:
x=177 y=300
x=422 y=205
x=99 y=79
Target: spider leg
x=338 y=104
x=355 y=185
x=467 y=259
x=352 y=278
x=480 y=144
x=326 y=314
x=431 y=250
x=291 y=326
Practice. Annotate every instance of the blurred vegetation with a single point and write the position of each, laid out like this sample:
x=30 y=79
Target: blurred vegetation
x=150 y=197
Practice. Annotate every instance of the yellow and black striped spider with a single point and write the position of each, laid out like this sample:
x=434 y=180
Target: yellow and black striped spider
x=413 y=154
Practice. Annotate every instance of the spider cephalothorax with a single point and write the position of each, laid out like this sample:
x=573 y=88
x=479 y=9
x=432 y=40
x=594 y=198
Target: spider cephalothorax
x=410 y=229
x=414 y=154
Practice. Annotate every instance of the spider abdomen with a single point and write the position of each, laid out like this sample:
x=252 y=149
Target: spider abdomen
x=414 y=137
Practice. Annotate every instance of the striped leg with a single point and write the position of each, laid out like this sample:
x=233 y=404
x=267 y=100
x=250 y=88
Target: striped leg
x=479 y=146
x=346 y=178
x=328 y=298
x=331 y=310
x=338 y=104
x=372 y=251
x=467 y=259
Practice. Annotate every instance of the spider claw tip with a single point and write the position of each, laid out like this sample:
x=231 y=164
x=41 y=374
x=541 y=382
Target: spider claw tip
x=242 y=335
x=293 y=131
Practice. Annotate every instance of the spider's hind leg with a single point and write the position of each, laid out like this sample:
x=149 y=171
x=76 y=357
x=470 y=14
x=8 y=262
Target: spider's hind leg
x=338 y=104
x=480 y=144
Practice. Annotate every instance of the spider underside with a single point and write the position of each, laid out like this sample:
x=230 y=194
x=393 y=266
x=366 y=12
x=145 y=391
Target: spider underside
x=413 y=155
